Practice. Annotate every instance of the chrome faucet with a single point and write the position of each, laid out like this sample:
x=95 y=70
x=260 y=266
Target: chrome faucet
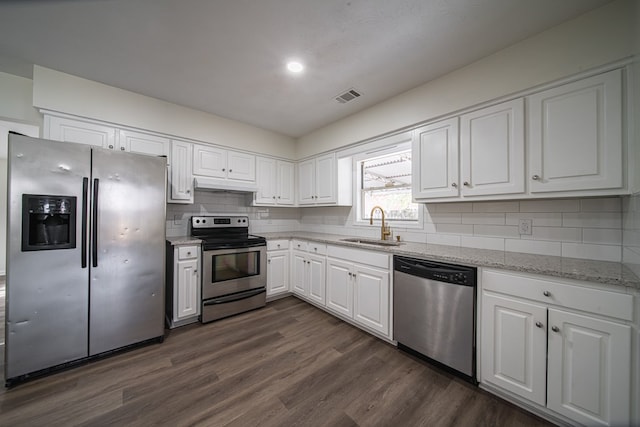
x=385 y=231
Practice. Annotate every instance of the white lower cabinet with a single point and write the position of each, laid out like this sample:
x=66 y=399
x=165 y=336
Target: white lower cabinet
x=308 y=264
x=357 y=290
x=183 y=290
x=340 y=287
x=277 y=267
x=546 y=341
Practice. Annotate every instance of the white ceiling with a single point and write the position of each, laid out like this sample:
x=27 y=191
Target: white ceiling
x=228 y=57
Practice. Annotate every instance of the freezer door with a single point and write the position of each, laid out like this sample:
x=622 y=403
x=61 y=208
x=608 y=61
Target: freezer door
x=47 y=290
x=127 y=249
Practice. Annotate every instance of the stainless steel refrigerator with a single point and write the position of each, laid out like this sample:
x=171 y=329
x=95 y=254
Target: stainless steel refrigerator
x=85 y=253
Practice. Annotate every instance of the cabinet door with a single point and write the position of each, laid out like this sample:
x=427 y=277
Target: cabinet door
x=371 y=298
x=575 y=135
x=266 y=173
x=142 y=143
x=181 y=184
x=306 y=182
x=435 y=160
x=67 y=130
x=326 y=175
x=299 y=273
x=514 y=346
x=588 y=373
x=285 y=183
x=242 y=167
x=209 y=161
x=277 y=272
x=316 y=266
x=339 y=287
x=492 y=150
x=188 y=282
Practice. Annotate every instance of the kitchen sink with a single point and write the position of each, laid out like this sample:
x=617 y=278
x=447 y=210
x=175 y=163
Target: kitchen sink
x=371 y=241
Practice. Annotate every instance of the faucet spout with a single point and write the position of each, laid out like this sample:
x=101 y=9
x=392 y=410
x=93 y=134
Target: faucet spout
x=385 y=231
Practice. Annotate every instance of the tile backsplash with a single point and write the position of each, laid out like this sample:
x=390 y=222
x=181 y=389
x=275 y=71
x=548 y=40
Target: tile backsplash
x=575 y=228
x=631 y=233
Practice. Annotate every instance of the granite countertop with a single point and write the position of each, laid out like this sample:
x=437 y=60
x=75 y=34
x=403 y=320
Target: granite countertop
x=183 y=240
x=604 y=272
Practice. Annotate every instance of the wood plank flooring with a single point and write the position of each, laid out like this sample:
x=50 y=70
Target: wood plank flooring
x=289 y=364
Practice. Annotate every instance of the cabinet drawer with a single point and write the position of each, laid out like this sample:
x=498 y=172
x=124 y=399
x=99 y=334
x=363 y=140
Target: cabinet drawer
x=317 y=248
x=188 y=252
x=549 y=291
x=274 y=245
x=300 y=245
x=362 y=256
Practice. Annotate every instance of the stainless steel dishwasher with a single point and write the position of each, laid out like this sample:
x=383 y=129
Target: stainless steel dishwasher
x=434 y=313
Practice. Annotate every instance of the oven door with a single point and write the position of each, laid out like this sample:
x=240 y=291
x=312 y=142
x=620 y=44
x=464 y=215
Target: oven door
x=228 y=271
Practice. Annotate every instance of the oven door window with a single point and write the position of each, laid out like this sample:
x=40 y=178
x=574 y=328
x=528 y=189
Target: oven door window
x=235 y=266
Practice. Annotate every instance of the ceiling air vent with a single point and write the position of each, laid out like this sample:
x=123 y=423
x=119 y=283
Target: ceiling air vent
x=347 y=96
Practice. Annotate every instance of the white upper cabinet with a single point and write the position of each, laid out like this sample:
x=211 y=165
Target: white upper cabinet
x=492 y=150
x=143 y=143
x=216 y=162
x=69 y=130
x=479 y=154
x=104 y=136
x=575 y=135
x=325 y=180
x=275 y=180
x=434 y=167
x=181 y=179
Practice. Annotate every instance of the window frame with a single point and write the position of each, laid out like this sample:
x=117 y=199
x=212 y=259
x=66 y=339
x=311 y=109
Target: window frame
x=380 y=148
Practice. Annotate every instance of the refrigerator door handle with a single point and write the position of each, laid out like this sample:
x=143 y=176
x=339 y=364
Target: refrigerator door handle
x=85 y=196
x=94 y=223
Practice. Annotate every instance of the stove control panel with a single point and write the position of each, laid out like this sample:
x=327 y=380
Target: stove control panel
x=216 y=221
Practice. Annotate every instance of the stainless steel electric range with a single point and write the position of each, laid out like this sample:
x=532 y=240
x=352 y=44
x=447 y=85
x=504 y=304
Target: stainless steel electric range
x=234 y=278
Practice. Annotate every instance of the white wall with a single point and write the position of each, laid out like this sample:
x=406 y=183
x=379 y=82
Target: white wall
x=596 y=38
x=58 y=91
x=16 y=95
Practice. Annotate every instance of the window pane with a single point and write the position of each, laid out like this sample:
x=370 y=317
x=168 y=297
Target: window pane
x=386 y=182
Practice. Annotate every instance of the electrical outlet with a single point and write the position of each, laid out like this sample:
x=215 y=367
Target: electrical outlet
x=524 y=226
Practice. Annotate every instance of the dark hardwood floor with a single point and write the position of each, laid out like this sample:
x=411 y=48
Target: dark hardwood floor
x=289 y=364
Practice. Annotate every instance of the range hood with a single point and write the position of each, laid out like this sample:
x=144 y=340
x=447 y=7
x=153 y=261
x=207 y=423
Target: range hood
x=212 y=184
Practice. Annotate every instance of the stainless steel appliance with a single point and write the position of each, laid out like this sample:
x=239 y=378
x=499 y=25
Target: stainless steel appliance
x=85 y=248
x=434 y=313
x=234 y=277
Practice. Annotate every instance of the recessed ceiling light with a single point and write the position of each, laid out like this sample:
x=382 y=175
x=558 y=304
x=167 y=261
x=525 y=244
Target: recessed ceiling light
x=295 y=67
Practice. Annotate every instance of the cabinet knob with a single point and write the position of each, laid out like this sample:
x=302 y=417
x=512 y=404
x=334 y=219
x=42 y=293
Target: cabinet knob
x=230 y=170
x=539 y=324
x=454 y=185
x=222 y=169
x=354 y=275
x=466 y=183
x=121 y=148
x=278 y=246
x=546 y=293
x=278 y=197
x=535 y=177
x=195 y=271
x=268 y=261
x=188 y=253
x=350 y=274
x=555 y=329
x=111 y=146
x=188 y=191
x=274 y=197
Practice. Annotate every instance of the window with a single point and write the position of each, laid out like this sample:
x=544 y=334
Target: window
x=384 y=179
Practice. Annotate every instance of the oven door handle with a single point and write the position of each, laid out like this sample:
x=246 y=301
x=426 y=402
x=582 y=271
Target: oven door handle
x=234 y=297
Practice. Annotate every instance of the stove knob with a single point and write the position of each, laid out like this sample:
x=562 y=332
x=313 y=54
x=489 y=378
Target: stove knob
x=204 y=220
x=197 y=221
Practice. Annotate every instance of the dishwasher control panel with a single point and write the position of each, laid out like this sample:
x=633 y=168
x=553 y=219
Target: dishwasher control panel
x=448 y=273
